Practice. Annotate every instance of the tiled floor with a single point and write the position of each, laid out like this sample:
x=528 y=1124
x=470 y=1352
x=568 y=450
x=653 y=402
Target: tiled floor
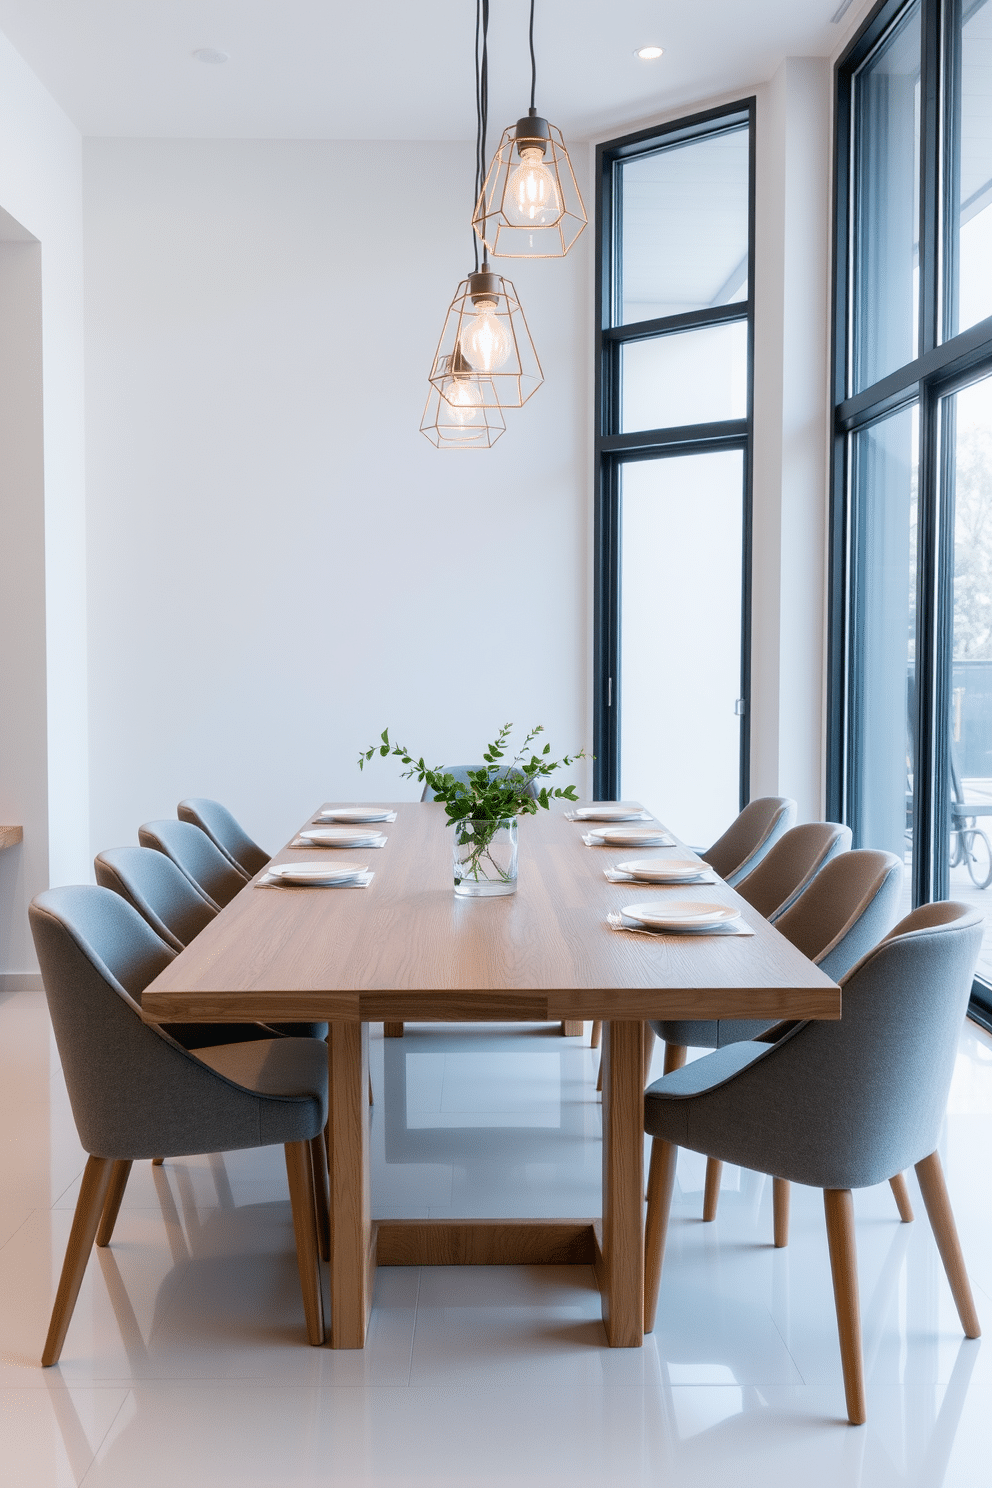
x=186 y=1362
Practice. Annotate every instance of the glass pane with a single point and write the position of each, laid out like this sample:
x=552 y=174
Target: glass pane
x=884 y=638
x=680 y=613
x=970 y=300
x=887 y=205
x=683 y=230
x=695 y=377
x=967 y=425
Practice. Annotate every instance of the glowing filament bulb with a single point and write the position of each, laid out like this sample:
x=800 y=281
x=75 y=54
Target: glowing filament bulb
x=464 y=398
x=531 y=193
x=484 y=341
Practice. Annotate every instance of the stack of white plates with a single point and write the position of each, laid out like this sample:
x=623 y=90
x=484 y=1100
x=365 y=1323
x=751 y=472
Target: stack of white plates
x=608 y=813
x=688 y=916
x=666 y=870
x=355 y=814
x=342 y=836
x=317 y=873
x=632 y=836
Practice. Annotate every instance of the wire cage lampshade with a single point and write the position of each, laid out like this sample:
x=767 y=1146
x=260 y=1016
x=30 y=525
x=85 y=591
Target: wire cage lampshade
x=485 y=341
x=462 y=413
x=530 y=205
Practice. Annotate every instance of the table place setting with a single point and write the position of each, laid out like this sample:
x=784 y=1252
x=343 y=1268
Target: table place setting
x=608 y=811
x=339 y=837
x=688 y=917
x=628 y=837
x=661 y=871
x=316 y=876
x=354 y=814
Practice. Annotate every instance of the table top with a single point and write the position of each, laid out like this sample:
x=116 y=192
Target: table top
x=408 y=949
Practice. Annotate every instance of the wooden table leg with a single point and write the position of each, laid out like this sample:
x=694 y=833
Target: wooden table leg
x=352 y=1253
x=621 y=1270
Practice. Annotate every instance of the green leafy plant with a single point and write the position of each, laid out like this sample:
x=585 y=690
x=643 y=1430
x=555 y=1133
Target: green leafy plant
x=500 y=789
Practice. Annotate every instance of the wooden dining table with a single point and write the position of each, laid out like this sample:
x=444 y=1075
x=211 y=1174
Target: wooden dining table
x=407 y=949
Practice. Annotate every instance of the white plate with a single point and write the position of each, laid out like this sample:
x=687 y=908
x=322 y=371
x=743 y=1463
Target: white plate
x=318 y=873
x=689 y=915
x=633 y=836
x=663 y=870
x=355 y=814
x=608 y=813
x=341 y=836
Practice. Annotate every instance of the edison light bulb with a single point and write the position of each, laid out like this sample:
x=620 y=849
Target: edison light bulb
x=464 y=398
x=484 y=341
x=531 y=193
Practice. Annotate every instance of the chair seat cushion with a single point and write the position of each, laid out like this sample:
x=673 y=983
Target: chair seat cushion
x=286 y=1072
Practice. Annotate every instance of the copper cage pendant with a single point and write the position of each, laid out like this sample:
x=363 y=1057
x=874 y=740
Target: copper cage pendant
x=463 y=413
x=485 y=341
x=530 y=205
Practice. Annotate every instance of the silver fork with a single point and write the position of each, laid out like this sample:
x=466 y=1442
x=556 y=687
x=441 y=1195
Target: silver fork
x=615 y=922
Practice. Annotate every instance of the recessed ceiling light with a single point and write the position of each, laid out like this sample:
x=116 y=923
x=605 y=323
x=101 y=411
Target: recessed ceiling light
x=211 y=54
x=649 y=53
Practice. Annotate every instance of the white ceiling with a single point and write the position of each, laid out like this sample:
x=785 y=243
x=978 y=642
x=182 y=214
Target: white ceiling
x=394 y=69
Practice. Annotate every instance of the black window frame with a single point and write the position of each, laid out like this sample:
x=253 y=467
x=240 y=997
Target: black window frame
x=613 y=448
x=941 y=367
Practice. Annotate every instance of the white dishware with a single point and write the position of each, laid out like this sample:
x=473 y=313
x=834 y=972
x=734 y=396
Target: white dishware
x=686 y=915
x=665 y=870
x=317 y=873
x=607 y=813
x=341 y=836
x=632 y=836
x=355 y=814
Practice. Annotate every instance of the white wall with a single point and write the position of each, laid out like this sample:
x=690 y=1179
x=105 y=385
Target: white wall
x=44 y=777
x=280 y=564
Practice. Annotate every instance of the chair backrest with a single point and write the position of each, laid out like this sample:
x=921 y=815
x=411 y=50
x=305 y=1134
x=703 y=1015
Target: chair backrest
x=191 y=850
x=851 y=904
x=460 y=772
x=225 y=832
x=134 y=1091
x=791 y=864
x=160 y=892
x=749 y=837
x=848 y=1104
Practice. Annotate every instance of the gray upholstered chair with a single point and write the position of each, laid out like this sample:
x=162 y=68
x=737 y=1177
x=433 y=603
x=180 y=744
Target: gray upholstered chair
x=749 y=837
x=225 y=832
x=192 y=850
x=177 y=911
x=136 y=1092
x=791 y=865
x=849 y=906
x=836 y=1105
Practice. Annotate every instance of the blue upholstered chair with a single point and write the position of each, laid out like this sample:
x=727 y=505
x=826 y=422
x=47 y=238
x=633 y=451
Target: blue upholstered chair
x=137 y=1092
x=836 y=1105
x=749 y=837
x=847 y=908
x=177 y=911
x=225 y=832
x=191 y=849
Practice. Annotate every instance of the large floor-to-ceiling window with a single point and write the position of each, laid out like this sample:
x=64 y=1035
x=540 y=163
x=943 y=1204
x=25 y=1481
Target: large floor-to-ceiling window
x=911 y=620
x=674 y=394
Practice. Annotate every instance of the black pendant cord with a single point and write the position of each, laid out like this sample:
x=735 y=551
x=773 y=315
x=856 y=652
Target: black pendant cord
x=481 y=107
x=533 y=59
x=478 y=126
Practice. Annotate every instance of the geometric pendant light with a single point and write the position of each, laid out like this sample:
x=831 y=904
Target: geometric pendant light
x=530 y=205
x=462 y=413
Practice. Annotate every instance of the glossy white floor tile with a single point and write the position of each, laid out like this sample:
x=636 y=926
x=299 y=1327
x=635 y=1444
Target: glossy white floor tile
x=186 y=1360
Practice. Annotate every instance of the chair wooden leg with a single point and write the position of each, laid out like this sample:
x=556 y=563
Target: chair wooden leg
x=318 y=1157
x=781 y=1193
x=392 y=1030
x=112 y=1204
x=599 y=1077
x=597 y=1033
x=901 y=1195
x=674 y=1057
x=89 y=1208
x=938 y=1206
x=661 y=1183
x=839 y=1207
x=299 y=1170
x=711 y=1193
x=371 y=1101
x=157 y=1162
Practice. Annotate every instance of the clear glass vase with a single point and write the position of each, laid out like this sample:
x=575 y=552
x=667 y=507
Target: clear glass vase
x=485 y=857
